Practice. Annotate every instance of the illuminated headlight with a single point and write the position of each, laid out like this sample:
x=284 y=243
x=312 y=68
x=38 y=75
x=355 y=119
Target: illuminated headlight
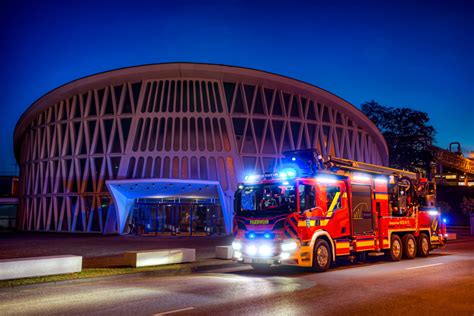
x=265 y=251
x=237 y=255
x=284 y=255
x=252 y=250
x=236 y=245
x=288 y=246
x=433 y=213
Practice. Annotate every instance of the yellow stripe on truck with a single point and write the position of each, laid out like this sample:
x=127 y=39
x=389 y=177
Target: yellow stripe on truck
x=381 y=196
x=303 y=223
x=333 y=204
x=324 y=222
x=365 y=243
x=342 y=245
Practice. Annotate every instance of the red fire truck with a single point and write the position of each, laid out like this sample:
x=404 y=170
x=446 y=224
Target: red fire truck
x=315 y=211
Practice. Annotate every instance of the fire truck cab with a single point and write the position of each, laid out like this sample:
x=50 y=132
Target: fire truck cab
x=314 y=211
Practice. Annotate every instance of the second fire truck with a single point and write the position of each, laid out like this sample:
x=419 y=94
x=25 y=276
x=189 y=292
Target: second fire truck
x=314 y=211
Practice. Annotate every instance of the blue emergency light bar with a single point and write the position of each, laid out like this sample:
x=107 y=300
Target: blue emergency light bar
x=287 y=173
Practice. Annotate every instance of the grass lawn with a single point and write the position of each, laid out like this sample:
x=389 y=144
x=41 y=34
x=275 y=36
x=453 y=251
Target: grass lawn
x=96 y=272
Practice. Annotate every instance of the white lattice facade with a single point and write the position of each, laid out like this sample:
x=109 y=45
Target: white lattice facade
x=171 y=121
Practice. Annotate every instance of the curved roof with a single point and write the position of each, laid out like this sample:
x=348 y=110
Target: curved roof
x=190 y=70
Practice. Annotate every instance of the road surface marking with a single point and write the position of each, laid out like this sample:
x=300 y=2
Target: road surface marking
x=175 y=311
x=428 y=265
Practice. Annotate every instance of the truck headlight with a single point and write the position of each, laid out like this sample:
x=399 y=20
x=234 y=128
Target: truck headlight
x=284 y=255
x=236 y=245
x=289 y=245
x=252 y=250
x=265 y=251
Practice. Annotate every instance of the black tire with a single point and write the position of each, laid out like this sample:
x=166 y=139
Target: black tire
x=409 y=246
x=322 y=256
x=423 y=249
x=396 y=249
x=261 y=267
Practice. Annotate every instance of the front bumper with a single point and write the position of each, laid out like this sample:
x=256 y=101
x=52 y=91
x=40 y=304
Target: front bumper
x=275 y=260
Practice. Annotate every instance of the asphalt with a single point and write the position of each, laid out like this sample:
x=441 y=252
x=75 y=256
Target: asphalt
x=442 y=284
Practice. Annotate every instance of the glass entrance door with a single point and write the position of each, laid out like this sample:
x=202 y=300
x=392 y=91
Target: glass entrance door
x=176 y=218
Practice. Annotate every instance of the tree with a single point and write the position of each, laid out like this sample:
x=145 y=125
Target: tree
x=444 y=206
x=406 y=132
x=467 y=205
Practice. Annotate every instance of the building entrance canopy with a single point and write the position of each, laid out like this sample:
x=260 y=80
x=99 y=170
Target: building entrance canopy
x=125 y=192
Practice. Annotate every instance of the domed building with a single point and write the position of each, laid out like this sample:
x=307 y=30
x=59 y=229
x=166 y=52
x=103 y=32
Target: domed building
x=159 y=149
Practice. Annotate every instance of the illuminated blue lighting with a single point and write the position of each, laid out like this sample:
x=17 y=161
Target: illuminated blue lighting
x=287 y=173
x=267 y=236
x=250 y=178
x=293 y=158
x=291 y=173
x=251 y=235
x=286 y=183
x=444 y=220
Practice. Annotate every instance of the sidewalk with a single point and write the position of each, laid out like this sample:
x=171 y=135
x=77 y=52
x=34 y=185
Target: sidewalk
x=95 y=247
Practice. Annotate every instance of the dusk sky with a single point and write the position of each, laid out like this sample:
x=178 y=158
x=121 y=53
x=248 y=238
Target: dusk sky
x=402 y=54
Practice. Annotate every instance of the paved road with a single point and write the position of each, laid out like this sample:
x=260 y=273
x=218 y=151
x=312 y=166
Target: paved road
x=442 y=284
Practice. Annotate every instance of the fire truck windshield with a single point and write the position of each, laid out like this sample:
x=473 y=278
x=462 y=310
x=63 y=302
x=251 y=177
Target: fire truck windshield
x=258 y=199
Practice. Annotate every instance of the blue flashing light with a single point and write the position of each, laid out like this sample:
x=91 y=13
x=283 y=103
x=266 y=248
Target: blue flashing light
x=287 y=173
x=293 y=158
x=267 y=236
x=250 y=178
x=251 y=235
x=291 y=173
x=444 y=220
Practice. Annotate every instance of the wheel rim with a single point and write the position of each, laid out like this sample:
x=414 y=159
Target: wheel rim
x=424 y=245
x=396 y=248
x=322 y=256
x=411 y=247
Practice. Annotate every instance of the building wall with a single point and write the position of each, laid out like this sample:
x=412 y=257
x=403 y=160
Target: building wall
x=187 y=127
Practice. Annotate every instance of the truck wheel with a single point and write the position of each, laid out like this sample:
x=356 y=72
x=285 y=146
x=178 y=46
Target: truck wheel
x=409 y=246
x=423 y=246
x=261 y=267
x=321 y=256
x=395 y=251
